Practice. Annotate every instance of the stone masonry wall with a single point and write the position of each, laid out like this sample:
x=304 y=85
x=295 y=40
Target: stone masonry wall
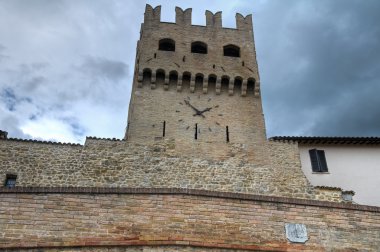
x=274 y=169
x=160 y=88
x=81 y=220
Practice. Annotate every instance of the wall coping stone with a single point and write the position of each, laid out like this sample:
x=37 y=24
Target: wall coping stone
x=39 y=141
x=191 y=192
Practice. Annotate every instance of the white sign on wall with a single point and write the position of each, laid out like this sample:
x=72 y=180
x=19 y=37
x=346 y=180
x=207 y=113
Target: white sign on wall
x=296 y=232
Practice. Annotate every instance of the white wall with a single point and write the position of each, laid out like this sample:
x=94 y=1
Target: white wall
x=355 y=168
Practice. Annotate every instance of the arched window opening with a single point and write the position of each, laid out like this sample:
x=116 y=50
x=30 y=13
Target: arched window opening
x=251 y=86
x=186 y=78
x=231 y=51
x=224 y=84
x=199 y=47
x=199 y=82
x=237 y=85
x=147 y=76
x=166 y=45
x=173 y=80
x=211 y=83
x=160 y=77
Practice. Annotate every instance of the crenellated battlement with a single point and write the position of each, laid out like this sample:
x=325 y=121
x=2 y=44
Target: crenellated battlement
x=214 y=20
x=152 y=15
x=184 y=18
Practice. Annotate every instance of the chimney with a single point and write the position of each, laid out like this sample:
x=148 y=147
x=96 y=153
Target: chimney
x=3 y=134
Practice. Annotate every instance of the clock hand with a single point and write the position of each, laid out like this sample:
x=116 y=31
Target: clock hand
x=199 y=114
x=205 y=110
x=195 y=109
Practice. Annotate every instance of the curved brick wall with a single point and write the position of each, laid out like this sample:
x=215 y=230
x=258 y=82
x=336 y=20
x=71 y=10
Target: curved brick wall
x=180 y=218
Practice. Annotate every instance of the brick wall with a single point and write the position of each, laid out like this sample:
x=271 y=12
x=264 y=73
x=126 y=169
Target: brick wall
x=202 y=219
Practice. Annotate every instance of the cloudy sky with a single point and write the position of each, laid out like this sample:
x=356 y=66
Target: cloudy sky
x=66 y=65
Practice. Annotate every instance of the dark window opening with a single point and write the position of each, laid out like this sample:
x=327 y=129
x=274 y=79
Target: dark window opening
x=166 y=45
x=231 y=51
x=224 y=84
x=184 y=58
x=242 y=63
x=160 y=77
x=10 y=181
x=163 y=128
x=227 y=134
x=186 y=78
x=211 y=87
x=196 y=132
x=155 y=55
x=173 y=79
x=199 y=47
x=147 y=75
x=213 y=66
x=199 y=83
x=318 y=160
x=250 y=86
x=237 y=85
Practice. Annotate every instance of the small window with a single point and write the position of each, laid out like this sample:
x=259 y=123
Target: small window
x=10 y=181
x=231 y=51
x=166 y=45
x=199 y=47
x=318 y=160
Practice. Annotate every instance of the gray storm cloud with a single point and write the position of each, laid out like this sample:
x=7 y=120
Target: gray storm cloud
x=68 y=65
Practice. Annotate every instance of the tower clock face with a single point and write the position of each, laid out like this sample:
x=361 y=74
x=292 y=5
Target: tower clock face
x=192 y=108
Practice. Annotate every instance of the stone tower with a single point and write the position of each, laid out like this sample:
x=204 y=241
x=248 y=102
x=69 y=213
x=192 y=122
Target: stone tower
x=198 y=85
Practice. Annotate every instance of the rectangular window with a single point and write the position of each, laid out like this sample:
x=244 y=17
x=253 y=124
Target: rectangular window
x=318 y=160
x=10 y=180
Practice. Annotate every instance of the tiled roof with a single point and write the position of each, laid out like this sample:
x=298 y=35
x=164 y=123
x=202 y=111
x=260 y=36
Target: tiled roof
x=329 y=140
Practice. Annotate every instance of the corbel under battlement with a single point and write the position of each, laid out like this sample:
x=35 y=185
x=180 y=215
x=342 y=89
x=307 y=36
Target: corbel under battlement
x=247 y=86
x=184 y=18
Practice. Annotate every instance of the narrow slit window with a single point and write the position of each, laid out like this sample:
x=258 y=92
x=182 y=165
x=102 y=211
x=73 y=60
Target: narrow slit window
x=196 y=132
x=163 y=128
x=10 y=181
x=227 y=135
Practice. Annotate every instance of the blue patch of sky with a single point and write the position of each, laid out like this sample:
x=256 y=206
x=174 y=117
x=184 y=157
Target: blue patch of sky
x=33 y=117
x=76 y=128
x=9 y=98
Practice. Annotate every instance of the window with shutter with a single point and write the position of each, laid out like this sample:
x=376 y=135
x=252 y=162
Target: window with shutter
x=318 y=160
